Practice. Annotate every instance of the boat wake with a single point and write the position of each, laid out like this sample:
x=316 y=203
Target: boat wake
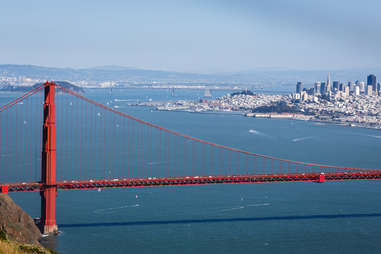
x=114 y=209
x=245 y=206
x=261 y=204
x=374 y=136
x=301 y=139
x=258 y=133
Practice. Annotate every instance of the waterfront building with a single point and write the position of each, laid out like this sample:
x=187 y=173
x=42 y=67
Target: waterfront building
x=299 y=87
x=372 y=81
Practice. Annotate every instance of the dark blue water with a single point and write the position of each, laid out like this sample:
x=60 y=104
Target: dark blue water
x=334 y=217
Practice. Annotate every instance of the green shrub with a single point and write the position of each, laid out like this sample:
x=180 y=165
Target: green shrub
x=3 y=236
x=31 y=249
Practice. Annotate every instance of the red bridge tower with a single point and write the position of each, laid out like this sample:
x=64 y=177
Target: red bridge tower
x=48 y=164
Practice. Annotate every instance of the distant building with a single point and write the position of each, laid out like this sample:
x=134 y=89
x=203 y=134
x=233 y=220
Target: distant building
x=304 y=96
x=335 y=86
x=372 y=81
x=357 y=90
x=323 y=88
x=369 y=89
x=346 y=91
x=341 y=87
x=299 y=87
x=350 y=85
x=317 y=88
x=379 y=88
x=329 y=88
x=362 y=86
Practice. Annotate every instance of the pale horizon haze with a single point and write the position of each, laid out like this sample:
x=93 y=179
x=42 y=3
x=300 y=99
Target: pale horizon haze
x=193 y=36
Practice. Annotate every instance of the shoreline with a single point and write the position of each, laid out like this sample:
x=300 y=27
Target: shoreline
x=290 y=116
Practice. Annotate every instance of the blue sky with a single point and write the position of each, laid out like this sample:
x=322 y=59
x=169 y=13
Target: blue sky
x=193 y=36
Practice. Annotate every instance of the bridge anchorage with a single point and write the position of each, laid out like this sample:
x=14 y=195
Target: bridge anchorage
x=124 y=152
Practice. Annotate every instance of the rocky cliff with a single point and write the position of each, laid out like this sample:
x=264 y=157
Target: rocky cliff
x=16 y=224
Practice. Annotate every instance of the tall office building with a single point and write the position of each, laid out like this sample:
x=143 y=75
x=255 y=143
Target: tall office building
x=372 y=81
x=323 y=88
x=299 y=87
x=341 y=87
x=362 y=86
x=351 y=85
x=346 y=91
x=329 y=88
x=379 y=88
x=357 y=90
x=369 y=90
x=317 y=88
x=335 y=85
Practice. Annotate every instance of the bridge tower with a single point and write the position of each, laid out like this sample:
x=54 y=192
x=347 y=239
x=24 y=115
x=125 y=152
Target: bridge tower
x=48 y=163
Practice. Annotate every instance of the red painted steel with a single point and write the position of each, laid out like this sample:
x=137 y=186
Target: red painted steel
x=322 y=178
x=195 y=180
x=4 y=189
x=48 y=164
x=21 y=98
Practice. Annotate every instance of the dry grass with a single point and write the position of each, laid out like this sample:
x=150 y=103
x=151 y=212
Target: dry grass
x=8 y=247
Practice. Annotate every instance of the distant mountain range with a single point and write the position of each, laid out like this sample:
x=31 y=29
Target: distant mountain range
x=98 y=74
x=264 y=78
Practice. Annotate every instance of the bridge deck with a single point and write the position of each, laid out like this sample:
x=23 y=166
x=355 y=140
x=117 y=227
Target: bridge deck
x=191 y=180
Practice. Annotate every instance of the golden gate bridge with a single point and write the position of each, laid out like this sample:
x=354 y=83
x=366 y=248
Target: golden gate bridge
x=89 y=145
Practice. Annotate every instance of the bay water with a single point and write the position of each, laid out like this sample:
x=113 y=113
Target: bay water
x=333 y=217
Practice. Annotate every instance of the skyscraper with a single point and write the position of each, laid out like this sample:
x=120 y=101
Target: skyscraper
x=341 y=86
x=350 y=85
x=299 y=87
x=323 y=88
x=369 y=90
x=372 y=81
x=357 y=90
x=335 y=86
x=329 y=82
x=317 y=88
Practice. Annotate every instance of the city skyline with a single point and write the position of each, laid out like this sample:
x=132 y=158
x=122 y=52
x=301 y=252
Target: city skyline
x=338 y=89
x=193 y=36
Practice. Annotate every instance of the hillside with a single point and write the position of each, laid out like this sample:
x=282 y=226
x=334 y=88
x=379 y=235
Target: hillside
x=98 y=74
x=68 y=85
x=11 y=247
x=18 y=232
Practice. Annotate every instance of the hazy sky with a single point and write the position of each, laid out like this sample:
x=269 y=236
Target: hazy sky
x=193 y=36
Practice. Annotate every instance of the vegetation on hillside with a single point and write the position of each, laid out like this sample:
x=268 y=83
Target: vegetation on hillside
x=12 y=247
